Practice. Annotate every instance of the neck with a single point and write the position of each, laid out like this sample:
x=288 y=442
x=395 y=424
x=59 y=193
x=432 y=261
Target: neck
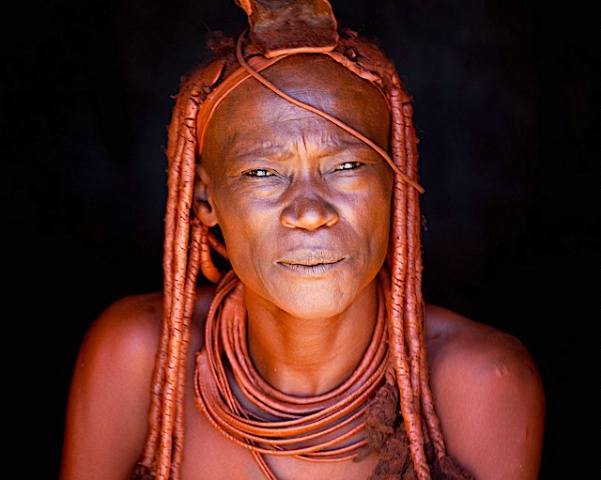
x=321 y=427
x=307 y=357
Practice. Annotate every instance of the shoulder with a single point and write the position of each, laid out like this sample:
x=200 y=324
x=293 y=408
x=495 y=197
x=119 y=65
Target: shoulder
x=454 y=340
x=110 y=394
x=488 y=395
x=121 y=344
x=126 y=331
x=130 y=327
x=125 y=335
x=115 y=362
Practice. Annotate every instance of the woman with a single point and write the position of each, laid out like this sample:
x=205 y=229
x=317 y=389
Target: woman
x=292 y=155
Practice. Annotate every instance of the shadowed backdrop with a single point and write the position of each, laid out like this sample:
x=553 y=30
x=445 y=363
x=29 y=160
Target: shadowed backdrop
x=507 y=109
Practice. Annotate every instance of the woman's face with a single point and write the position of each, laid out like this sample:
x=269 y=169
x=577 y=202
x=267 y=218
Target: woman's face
x=304 y=206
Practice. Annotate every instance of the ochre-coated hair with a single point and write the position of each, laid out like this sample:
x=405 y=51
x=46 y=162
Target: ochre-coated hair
x=190 y=248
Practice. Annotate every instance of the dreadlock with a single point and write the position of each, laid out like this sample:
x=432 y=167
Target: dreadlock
x=190 y=248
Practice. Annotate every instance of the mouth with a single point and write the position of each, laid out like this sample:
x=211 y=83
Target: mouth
x=311 y=261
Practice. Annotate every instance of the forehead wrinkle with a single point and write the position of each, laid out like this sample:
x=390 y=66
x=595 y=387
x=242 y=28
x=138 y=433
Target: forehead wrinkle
x=314 y=96
x=327 y=140
x=329 y=88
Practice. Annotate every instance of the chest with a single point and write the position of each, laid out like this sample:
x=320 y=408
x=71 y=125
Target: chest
x=208 y=454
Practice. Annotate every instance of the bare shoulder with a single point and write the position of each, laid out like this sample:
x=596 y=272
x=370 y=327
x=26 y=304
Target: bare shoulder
x=128 y=330
x=122 y=342
x=488 y=394
x=129 y=327
x=454 y=337
x=109 y=399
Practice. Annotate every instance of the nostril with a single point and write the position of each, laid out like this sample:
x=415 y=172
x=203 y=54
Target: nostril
x=333 y=221
x=309 y=214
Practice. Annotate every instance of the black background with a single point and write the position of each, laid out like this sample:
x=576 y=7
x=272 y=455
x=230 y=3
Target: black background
x=507 y=107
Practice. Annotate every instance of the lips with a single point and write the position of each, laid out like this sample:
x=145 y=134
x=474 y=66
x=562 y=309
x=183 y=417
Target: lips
x=311 y=258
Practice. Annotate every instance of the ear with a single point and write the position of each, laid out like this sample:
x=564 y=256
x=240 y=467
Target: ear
x=203 y=201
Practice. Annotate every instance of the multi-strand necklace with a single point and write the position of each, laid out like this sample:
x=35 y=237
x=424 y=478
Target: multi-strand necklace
x=267 y=421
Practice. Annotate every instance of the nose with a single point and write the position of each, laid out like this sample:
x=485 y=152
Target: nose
x=308 y=211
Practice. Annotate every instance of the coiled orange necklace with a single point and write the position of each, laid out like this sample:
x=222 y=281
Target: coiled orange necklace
x=264 y=420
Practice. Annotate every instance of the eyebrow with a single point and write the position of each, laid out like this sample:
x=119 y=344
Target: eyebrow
x=330 y=142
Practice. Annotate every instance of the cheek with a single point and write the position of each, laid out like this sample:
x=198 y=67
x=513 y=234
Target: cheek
x=377 y=218
x=379 y=232
x=243 y=226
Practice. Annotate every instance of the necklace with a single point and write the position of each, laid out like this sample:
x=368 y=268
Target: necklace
x=324 y=427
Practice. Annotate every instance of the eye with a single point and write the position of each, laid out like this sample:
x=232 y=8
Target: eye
x=348 y=166
x=258 y=173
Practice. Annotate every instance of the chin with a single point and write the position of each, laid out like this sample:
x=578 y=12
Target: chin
x=318 y=300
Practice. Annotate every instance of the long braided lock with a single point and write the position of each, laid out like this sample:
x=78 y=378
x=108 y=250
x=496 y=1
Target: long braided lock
x=190 y=248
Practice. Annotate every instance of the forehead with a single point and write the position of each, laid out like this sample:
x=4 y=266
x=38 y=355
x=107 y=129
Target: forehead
x=317 y=80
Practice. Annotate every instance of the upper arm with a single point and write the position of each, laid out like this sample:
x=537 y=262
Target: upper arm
x=108 y=402
x=490 y=400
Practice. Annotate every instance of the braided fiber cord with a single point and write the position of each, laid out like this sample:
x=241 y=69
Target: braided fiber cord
x=189 y=246
x=402 y=315
x=160 y=456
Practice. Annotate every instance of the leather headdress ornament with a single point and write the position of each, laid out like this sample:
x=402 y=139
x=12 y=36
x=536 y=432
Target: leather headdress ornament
x=291 y=26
